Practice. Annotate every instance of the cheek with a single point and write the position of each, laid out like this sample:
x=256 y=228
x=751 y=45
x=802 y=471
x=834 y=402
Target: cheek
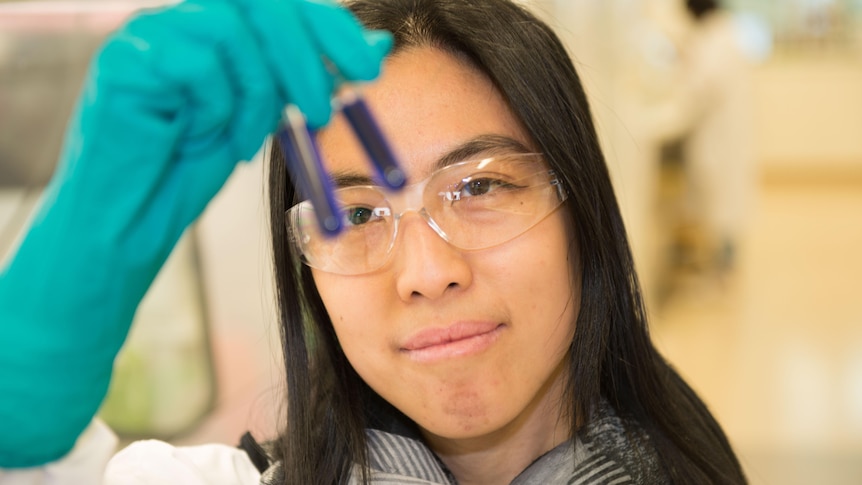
x=538 y=273
x=356 y=306
x=543 y=291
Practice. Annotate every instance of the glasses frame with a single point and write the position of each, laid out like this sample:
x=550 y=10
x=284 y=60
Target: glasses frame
x=295 y=234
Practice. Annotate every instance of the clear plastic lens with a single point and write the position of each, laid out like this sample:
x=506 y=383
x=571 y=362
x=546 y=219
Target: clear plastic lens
x=473 y=205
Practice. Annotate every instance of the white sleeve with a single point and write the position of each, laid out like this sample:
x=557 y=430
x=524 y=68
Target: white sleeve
x=158 y=463
x=142 y=463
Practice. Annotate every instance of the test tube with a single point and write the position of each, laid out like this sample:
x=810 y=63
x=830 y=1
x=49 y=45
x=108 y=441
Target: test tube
x=303 y=161
x=363 y=124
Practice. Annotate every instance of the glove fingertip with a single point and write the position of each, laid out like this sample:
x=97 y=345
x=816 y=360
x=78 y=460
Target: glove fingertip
x=380 y=42
x=316 y=116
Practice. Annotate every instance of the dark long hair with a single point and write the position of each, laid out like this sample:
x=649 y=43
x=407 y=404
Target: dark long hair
x=612 y=356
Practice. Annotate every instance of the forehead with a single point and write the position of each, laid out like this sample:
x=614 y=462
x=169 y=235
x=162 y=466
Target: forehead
x=427 y=103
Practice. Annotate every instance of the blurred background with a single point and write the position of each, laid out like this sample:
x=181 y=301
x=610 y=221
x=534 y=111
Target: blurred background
x=734 y=137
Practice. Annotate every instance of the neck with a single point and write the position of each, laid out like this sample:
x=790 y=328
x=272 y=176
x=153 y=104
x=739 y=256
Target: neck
x=498 y=457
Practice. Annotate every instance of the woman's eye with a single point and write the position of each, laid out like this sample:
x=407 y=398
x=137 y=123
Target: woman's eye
x=482 y=186
x=358 y=215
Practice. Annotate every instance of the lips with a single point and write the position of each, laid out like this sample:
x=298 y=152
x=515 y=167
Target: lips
x=457 y=340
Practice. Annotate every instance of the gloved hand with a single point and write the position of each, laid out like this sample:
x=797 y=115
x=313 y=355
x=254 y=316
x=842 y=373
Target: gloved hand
x=173 y=100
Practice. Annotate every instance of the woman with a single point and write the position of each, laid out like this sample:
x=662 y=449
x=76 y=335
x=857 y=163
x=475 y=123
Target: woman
x=463 y=72
x=486 y=325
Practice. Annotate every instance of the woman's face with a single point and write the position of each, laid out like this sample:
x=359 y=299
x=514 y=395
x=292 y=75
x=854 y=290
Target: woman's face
x=510 y=308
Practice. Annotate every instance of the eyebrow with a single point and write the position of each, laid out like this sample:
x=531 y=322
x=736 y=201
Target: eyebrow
x=489 y=144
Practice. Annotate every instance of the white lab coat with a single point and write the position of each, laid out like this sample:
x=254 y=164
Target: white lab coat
x=150 y=462
x=710 y=107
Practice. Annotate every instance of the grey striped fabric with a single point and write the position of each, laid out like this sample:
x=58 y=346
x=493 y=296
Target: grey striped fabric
x=399 y=456
x=605 y=452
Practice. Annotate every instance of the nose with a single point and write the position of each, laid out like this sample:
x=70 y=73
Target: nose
x=426 y=265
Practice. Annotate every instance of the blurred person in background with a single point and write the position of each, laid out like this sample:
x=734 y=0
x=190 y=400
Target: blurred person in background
x=707 y=122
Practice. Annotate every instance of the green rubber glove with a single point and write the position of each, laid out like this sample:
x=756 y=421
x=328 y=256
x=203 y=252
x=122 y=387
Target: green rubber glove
x=173 y=101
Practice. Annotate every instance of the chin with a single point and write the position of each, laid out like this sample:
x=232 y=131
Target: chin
x=462 y=424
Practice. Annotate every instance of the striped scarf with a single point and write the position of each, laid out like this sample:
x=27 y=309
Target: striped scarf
x=606 y=451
